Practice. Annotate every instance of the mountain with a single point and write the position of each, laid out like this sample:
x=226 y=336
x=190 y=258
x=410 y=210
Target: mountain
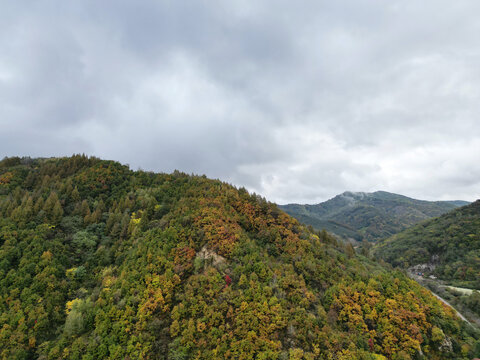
x=101 y=262
x=450 y=244
x=369 y=216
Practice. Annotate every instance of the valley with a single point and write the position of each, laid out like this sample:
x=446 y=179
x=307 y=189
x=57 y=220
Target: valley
x=457 y=298
x=436 y=243
x=448 y=247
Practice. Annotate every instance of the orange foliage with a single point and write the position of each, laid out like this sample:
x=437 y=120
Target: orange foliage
x=5 y=178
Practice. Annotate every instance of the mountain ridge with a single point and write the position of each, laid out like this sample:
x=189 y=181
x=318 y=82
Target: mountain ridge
x=369 y=216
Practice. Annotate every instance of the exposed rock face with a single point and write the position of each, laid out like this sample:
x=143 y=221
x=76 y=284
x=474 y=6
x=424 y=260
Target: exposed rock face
x=207 y=254
x=446 y=345
x=420 y=352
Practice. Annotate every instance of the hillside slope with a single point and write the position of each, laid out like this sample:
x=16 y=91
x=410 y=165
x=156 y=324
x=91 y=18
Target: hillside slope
x=101 y=262
x=369 y=216
x=449 y=243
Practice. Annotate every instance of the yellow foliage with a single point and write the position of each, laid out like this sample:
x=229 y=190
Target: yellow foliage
x=136 y=217
x=70 y=273
x=70 y=304
x=437 y=334
x=296 y=354
x=201 y=326
x=47 y=255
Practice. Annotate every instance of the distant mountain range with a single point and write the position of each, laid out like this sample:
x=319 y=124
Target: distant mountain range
x=369 y=216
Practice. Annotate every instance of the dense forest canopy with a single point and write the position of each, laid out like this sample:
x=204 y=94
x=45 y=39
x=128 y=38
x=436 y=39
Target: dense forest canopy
x=101 y=262
x=368 y=216
x=450 y=243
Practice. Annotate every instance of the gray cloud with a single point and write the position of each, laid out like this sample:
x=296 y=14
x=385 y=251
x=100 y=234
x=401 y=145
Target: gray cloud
x=297 y=102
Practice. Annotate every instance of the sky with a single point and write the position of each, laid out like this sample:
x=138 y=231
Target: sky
x=295 y=100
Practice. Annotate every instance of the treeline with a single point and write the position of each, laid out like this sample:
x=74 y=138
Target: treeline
x=101 y=262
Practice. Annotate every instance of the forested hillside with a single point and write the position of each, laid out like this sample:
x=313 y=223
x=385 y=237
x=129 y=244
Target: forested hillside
x=101 y=262
x=450 y=243
x=368 y=216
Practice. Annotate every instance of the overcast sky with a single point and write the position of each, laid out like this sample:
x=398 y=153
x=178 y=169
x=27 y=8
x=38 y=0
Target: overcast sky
x=295 y=100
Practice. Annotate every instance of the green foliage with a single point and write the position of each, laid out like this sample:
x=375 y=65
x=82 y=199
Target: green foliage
x=100 y=262
x=451 y=242
x=80 y=317
x=472 y=301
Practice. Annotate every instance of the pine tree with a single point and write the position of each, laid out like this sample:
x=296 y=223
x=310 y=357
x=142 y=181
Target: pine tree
x=75 y=196
x=124 y=225
x=50 y=203
x=39 y=205
x=57 y=213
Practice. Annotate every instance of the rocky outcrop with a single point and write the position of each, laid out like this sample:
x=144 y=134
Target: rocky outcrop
x=446 y=345
x=210 y=255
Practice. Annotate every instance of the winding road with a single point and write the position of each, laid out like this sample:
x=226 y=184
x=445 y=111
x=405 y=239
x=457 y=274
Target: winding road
x=418 y=280
x=446 y=303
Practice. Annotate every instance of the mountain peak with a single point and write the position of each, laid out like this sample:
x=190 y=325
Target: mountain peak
x=355 y=194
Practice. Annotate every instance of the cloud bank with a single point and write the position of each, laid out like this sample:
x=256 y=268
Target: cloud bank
x=295 y=101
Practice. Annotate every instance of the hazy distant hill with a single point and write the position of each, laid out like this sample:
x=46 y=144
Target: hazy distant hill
x=370 y=216
x=101 y=262
x=451 y=243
